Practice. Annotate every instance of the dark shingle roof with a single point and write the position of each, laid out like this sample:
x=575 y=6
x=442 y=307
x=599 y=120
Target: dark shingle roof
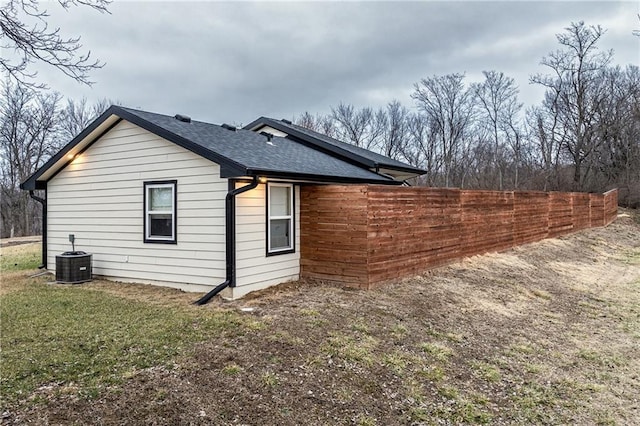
x=366 y=157
x=253 y=151
x=239 y=153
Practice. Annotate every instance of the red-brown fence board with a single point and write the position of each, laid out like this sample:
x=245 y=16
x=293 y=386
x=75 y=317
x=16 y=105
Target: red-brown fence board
x=581 y=211
x=531 y=216
x=560 y=213
x=596 y=213
x=487 y=221
x=408 y=245
x=610 y=206
x=333 y=233
x=365 y=235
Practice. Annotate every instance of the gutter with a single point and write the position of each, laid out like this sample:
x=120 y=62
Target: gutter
x=294 y=176
x=230 y=239
x=43 y=202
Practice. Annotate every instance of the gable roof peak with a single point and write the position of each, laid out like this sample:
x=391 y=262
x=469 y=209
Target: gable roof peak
x=349 y=152
x=240 y=153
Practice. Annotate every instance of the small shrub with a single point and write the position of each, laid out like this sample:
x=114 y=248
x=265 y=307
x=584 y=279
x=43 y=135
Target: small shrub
x=438 y=351
x=396 y=362
x=486 y=371
x=448 y=392
x=351 y=349
x=433 y=373
x=398 y=331
x=231 y=369
x=270 y=380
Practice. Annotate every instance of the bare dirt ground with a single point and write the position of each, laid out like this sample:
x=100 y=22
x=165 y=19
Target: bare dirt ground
x=547 y=333
x=8 y=242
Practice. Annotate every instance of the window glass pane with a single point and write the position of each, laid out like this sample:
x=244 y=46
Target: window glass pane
x=280 y=237
x=161 y=225
x=160 y=199
x=280 y=204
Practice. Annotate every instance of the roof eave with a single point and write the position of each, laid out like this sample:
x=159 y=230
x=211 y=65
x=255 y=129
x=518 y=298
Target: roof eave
x=266 y=121
x=319 y=178
x=57 y=160
x=412 y=170
x=112 y=116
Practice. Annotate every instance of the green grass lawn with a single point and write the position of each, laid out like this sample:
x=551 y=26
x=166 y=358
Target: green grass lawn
x=88 y=339
x=20 y=258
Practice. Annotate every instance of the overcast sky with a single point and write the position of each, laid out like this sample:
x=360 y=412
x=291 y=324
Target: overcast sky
x=232 y=62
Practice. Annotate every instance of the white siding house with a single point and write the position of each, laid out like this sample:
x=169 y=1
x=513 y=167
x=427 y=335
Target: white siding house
x=256 y=270
x=99 y=199
x=169 y=201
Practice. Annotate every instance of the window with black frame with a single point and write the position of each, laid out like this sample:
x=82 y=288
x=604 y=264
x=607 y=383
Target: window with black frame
x=160 y=199
x=280 y=212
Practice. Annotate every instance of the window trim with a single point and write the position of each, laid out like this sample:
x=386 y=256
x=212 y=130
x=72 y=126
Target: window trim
x=268 y=218
x=173 y=184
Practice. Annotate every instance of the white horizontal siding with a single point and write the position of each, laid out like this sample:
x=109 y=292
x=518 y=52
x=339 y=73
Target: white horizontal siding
x=99 y=199
x=127 y=178
x=254 y=269
x=115 y=250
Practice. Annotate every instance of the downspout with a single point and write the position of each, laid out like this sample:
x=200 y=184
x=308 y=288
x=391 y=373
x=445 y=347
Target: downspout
x=230 y=240
x=42 y=201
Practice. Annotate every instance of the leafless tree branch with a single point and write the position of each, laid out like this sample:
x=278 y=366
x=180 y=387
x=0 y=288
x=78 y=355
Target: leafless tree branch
x=26 y=33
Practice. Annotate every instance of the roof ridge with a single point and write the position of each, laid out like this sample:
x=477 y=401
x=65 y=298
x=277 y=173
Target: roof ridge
x=239 y=154
x=362 y=155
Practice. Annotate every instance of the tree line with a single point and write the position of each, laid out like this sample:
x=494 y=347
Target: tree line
x=35 y=122
x=583 y=136
x=34 y=125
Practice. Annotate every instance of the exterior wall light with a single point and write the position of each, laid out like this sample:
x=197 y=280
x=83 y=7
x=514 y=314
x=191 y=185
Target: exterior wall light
x=262 y=179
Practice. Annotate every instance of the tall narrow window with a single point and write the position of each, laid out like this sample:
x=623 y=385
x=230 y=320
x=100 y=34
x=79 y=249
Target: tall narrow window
x=280 y=214
x=160 y=212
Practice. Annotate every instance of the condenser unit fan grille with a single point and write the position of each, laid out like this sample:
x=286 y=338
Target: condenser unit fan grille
x=73 y=267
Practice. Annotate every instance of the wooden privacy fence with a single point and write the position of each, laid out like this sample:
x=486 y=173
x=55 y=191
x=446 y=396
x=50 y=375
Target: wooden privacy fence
x=367 y=234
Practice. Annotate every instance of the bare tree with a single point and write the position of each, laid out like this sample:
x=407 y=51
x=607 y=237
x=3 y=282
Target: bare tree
x=514 y=134
x=449 y=106
x=361 y=127
x=318 y=123
x=498 y=104
x=585 y=134
x=76 y=115
x=395 y=135
x=575 y=93
x=547 y=136
x=27 y=128
x=306 y=120
x=477 y=169
x=25 y=32
x=423 y=149
x=617 y=161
